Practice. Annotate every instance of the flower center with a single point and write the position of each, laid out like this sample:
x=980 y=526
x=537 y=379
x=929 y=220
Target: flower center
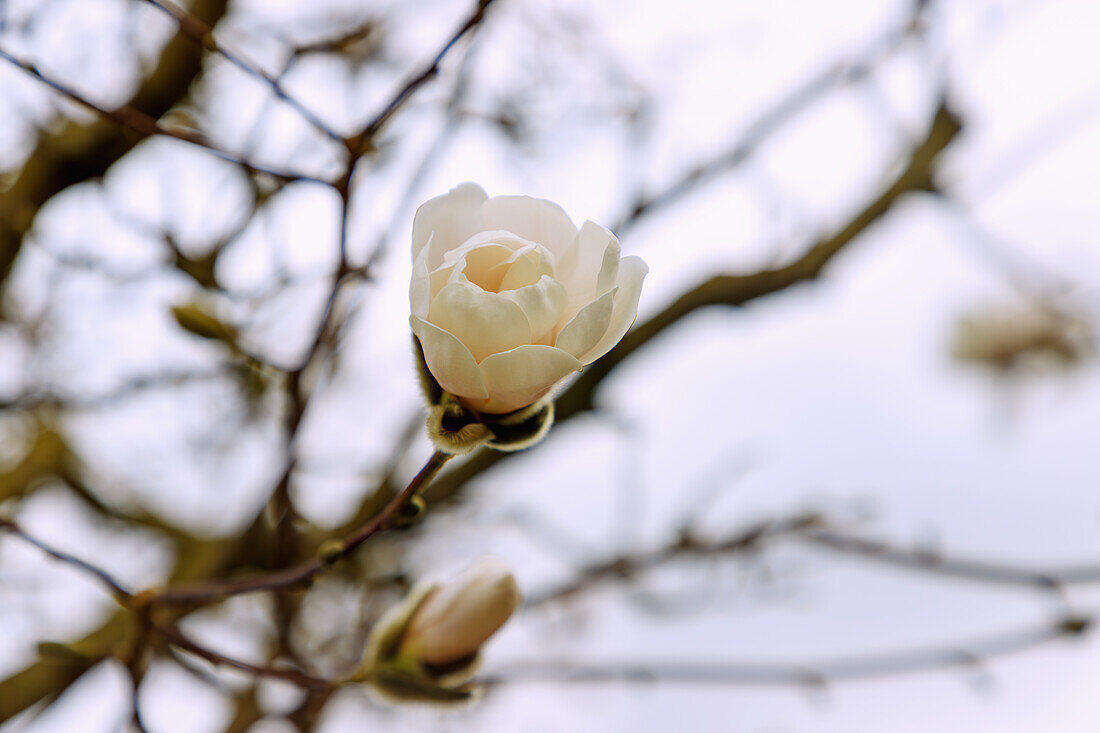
x=495 y=268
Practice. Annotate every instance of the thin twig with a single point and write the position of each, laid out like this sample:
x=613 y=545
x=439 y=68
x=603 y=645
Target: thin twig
x=625 y=566
x=203 y=34
x=970 y=654
x=172 y=634
x=120 y=593
x=147 y=126
x=999 y=573
x=771 y=120
x=304 y=572
x=361 y=140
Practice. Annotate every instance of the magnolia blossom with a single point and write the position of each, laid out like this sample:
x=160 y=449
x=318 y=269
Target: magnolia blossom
x=457 y=617
x=509 y=298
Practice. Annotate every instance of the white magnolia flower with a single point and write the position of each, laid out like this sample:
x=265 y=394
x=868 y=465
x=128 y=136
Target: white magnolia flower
x=509 y=298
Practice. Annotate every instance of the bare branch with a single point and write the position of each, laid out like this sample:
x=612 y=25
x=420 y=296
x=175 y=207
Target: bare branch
x=927 y=561
x=626 y=566
x=81 y=152
x=203 y=34
x=300 y=574
x=771 y=120
x=359 y=142
x=119 y=593
x=172 y=634
x=963 y=655
x=147 y=126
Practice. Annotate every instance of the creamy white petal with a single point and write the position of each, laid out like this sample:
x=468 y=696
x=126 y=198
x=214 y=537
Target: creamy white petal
x=454 y=217
x=526 y=266
x=609 y=266
x=449 y=361
x=586 y=328
x=485 y=322
x=581 y=265
x=632 y=272
x=538 y=220
x=542 y=303
x=420 y=290
x=479 y=265
x=518 y=377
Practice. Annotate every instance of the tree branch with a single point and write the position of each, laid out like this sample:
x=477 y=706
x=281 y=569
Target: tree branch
x=926 y=561
x=147 y=126
x=359 y=142
x=117 y=591
x=203 y=34
x=79 y=152
x=810 y=674
x=302 y=573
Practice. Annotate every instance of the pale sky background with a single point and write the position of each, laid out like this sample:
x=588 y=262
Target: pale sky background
x=840 y=394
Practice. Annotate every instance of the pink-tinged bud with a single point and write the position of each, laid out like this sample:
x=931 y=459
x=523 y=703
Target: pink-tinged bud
x=459 y=616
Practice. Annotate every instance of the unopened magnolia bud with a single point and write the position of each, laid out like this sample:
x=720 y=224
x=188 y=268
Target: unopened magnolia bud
x=1018 y=336
x=459 y=616
x=425 y=649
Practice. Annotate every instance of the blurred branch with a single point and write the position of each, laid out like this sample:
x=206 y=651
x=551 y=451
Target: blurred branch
x=148 y=126
x=846 y=71
x=813 y=674
x=176 y=637
x=130 y=388
x=203 y=34
x=731 y=290
x=79 y=152
x=936 y=563
x=812 y=529
x=119 y=593
x=364 y=138
x=626 y=566
x=51 y=675
x=330 y=553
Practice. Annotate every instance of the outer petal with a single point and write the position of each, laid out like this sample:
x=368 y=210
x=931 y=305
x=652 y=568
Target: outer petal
x=518 y=377
x=453 y=217
x=609 y=266
x=631 y=273
x=538 y=220
x=588 y=262
x=542 y=303
x=450 y=362
x=420 y=295
x=485 y=322
x=586 y=329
